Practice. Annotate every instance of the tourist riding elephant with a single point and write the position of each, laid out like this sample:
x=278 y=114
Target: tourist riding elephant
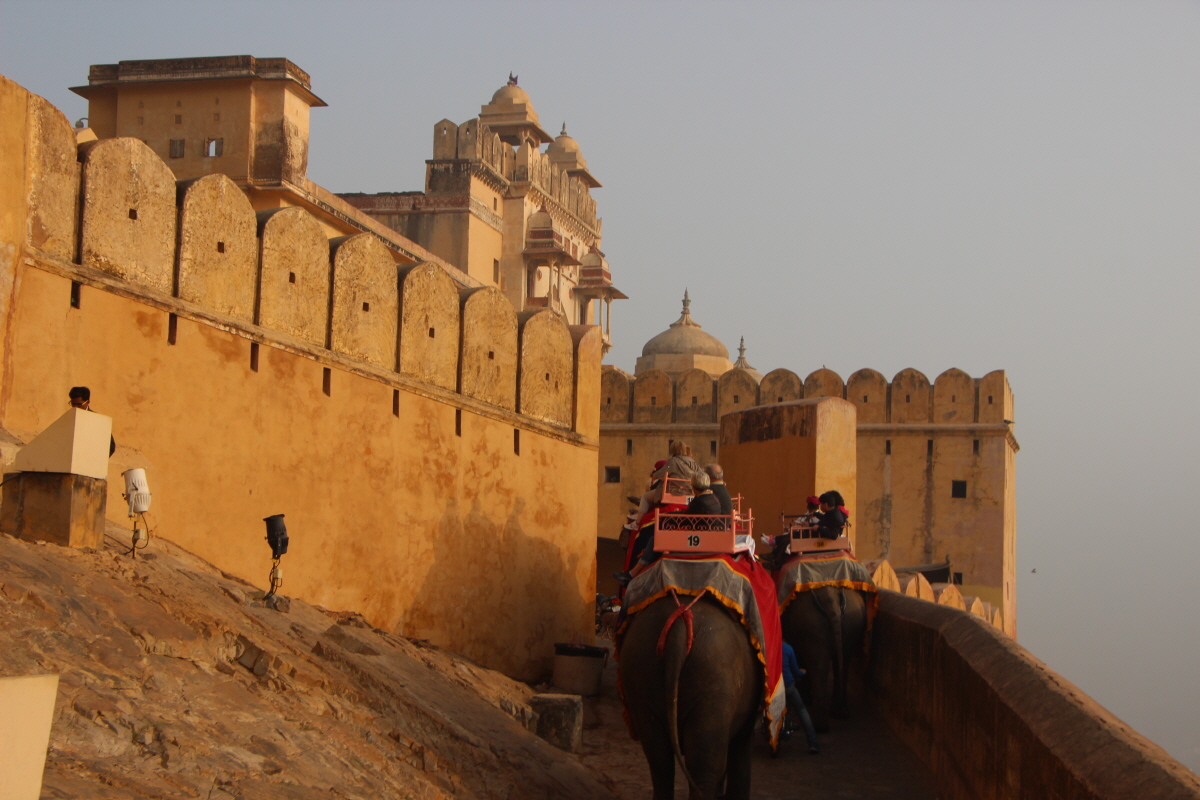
x=697 y=708
x=826 y=627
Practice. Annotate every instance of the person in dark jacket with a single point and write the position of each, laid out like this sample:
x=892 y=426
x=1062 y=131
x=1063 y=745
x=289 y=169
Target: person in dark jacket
x=795 y=703
x=704 y=501
x=716 y=478
x=833 y=516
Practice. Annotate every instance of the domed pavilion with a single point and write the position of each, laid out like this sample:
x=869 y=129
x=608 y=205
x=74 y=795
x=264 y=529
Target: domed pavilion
x=683 y=346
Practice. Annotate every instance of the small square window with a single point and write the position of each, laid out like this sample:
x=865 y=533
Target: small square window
x=133 y=213
x=220 y=247
x=291 y=277
x=612 y=474
x=653 y=401
x=214 y=147
x=695 y=399
x=958 y=488
x=736 y=399
x=177 y=148
x=179 y=119
x=366 y=306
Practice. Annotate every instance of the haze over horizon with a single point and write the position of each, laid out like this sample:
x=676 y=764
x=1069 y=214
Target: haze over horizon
x=929 y=184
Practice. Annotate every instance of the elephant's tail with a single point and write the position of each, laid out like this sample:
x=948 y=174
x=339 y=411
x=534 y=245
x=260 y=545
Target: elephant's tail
x=674 y=646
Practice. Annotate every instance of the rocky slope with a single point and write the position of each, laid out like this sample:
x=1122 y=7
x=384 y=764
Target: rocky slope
x=176 y=681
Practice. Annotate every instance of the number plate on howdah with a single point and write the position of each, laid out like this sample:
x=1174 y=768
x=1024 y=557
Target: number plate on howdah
x=694 y=541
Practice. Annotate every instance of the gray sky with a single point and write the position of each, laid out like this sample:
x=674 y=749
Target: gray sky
x=979 y=185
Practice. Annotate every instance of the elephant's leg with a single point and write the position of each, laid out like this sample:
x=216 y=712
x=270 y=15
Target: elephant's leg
x=820 y=683
x=854 y=630
x=737 y=783
x=705 y=753
x=661 y=758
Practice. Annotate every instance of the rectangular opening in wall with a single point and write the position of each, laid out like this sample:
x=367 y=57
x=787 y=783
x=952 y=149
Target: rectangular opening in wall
x=76 y=290
x=179 y=119
x=695 y=399
x=458 y=422
x=496 y=271
x=887 y=447
x=929 y=448
x=975 y=446
x=176 y=148
x=133 y=214
x=291 y=277
x=214 y=147
x=432 y=333
x=172 y=328
x=735 y=399
x=958 y=488
x=395 y=402
x=989 y=399
x=327 y=381
x=653 y=401
x=517 y=441
x=254 y=356
x=220 y=247
x=629 y=447
x=958 y=579
x=612 y=474
x=712 y=447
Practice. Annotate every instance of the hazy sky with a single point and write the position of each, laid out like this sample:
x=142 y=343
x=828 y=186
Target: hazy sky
x=983 y=185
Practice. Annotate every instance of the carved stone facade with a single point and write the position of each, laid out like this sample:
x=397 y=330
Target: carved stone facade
x=508 y=213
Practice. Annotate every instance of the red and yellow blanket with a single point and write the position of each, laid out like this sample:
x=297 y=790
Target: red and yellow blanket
x=743 y=586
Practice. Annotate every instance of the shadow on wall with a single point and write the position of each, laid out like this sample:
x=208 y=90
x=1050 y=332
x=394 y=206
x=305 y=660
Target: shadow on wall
x=539 y=598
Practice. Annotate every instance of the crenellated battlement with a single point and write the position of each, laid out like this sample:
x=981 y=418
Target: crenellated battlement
x=953 y=398
x=199 y=246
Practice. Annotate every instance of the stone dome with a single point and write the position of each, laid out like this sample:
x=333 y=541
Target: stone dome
x=511 y=93
x=685 y=337
x=563 y=144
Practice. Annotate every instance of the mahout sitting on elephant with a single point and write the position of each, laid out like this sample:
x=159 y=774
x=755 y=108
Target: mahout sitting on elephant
x=693 y=692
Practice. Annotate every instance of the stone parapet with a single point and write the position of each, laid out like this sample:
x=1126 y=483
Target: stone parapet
x=991 y=721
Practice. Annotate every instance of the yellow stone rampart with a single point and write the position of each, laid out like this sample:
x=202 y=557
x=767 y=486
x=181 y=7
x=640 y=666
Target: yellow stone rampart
x=433 y=512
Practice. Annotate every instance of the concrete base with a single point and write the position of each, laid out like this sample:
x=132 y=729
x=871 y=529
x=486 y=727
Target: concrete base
x=26 y=710
x=56 y=507
x=560 y=720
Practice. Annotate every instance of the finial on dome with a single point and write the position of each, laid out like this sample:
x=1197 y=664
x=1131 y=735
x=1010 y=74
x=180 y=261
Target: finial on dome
x=742 y=363
x=512 y=79
x=685 y=317
x=564 y=130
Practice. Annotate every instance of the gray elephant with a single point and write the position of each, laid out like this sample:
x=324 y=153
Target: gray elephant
x=826 y=627
x=697 y=708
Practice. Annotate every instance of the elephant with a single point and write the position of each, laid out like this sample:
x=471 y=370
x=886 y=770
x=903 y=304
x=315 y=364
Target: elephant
x=699 y=707
x=826 y=626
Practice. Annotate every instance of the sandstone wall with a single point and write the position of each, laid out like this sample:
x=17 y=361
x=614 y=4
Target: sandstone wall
x=254 y=367
x=991 y=721
x=935 y=459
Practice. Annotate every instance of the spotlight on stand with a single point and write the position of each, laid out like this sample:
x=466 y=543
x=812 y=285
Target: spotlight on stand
x=137 y=494
x=278 y=539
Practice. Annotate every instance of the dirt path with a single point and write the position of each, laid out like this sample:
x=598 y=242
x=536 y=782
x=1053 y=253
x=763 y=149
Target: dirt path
x=859 y=759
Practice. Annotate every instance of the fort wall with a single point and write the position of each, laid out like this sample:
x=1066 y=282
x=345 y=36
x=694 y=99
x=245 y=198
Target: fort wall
x=253 y=367
x=991 y=721
x=776 y=456
x=935 y=459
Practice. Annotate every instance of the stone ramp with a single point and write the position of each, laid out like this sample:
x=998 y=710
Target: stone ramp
x=176 y=682
x=859 y=760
